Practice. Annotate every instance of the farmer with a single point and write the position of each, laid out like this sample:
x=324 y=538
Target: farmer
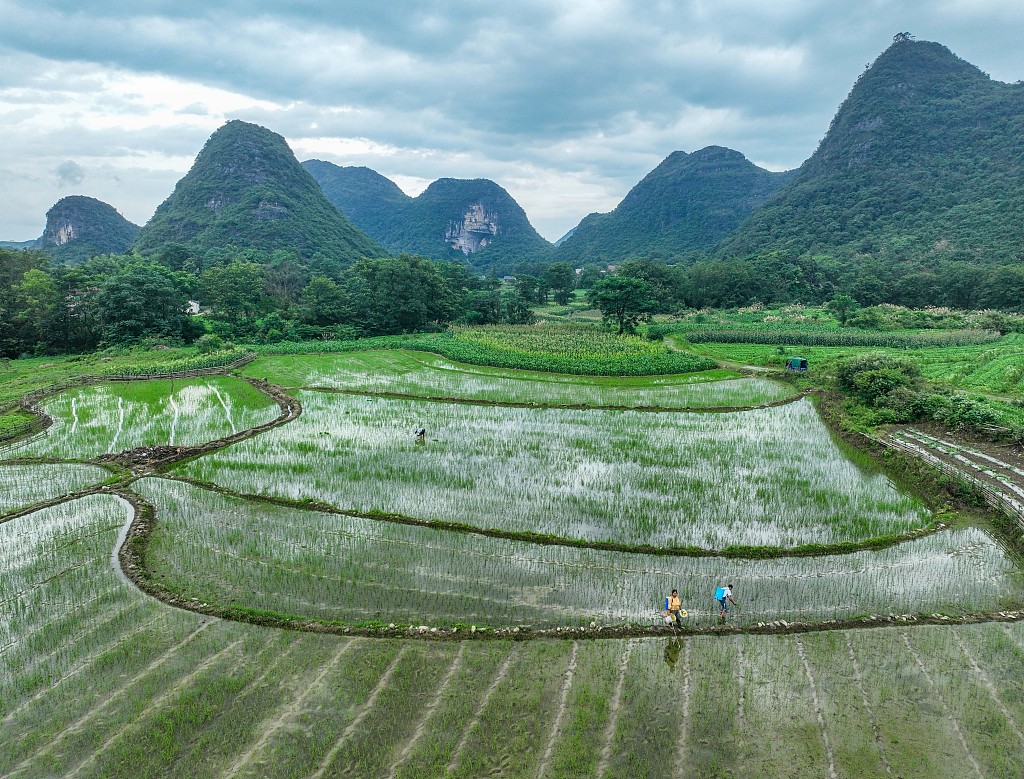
x=674 y=608
x=421 y=435
x=724 y=597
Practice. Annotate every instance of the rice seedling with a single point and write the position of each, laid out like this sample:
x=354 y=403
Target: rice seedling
x=247 y=555
x=109 y=418
x=424 y=375
x=24 y=485
x=765 y=477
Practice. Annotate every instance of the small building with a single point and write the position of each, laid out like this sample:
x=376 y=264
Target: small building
x=796 y=364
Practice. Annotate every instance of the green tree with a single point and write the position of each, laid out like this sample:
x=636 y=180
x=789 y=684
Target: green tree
x=666 y=282
x=38 y=307
x=515 y=309
x=843 y=306
x=560 y=278
x=623 y=300
x=325 y=303
x=873 y=376
x=143 y=299
x=401 y=294
x=235 y=294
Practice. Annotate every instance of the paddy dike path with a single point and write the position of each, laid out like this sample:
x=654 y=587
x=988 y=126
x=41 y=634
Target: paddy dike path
x=559 y=406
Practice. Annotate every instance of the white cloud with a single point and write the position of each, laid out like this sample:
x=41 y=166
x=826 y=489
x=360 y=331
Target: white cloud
x=567 y=103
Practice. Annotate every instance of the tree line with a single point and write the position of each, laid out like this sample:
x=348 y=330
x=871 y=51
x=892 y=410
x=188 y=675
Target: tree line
x=244 y=295
x=777 y=277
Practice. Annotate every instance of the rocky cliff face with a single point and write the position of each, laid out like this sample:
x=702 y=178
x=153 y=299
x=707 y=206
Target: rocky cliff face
x=474 y=232
x=79 y=227
x=452 y=219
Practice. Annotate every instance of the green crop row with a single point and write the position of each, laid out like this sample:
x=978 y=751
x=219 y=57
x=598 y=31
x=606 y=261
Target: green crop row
x=823 y=337
x=593 y=353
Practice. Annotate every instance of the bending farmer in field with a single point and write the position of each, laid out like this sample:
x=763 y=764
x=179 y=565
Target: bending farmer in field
x=724 y=597
x=421 y=435
x=674 y=608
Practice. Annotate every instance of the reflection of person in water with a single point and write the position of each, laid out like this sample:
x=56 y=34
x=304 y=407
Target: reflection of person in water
x=672 y=652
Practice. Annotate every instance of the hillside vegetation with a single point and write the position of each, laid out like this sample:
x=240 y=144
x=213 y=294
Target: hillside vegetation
x=429 y=223
x=689 y=202
x=247 y=190
x=924 y=156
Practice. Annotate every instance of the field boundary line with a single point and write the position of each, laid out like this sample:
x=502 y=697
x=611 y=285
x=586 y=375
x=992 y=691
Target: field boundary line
x=556 y=726
x=868 y=708
x=499 y=677
x=990 y=687
x=96 y=489
x=287 y=712
x=945 y=706
x=682 y=740
x=153 y=705
x=77 y=724
x=364 y=711
x=452 y=400
x=817 y=707
x=428 y=715
x=993 y=498
x=613 y=711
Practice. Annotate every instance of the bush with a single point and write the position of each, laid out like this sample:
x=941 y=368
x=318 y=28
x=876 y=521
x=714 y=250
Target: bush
x=871 y=376
x=209 y=343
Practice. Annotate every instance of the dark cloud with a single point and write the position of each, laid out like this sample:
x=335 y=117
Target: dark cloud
x=70 y=173
x=596 y=93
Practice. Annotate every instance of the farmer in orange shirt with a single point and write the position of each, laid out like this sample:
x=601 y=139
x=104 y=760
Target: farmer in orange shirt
x=675 y=607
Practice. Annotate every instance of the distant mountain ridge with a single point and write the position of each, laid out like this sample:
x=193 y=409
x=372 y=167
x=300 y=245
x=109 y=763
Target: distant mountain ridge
x=80 y=227
x=474 y=220
x=926 y=153
x=688 y=203
x=246 y=189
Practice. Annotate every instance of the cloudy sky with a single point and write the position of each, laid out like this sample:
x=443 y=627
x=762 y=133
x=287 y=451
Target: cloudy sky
x=566 y=104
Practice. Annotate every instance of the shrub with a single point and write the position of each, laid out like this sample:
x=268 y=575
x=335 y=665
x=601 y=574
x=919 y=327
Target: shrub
x=209 y=343
x=871 y=376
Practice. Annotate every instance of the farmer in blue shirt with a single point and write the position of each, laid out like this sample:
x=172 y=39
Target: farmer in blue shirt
x=724 y=597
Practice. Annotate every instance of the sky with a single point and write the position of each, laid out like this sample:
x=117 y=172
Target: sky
x=567 y=105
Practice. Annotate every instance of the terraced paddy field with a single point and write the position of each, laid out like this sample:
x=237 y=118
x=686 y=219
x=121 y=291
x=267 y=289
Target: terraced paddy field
x=628 y=477
x=428 y=376
x=569 y=672
x=109 y=418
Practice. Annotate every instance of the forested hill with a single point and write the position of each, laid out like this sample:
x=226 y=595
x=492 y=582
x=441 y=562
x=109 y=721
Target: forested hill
x=247 y=190
x=926 y=155
x=689 y=202
x=472 y=220
x=371 y=201
x=79 y=227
